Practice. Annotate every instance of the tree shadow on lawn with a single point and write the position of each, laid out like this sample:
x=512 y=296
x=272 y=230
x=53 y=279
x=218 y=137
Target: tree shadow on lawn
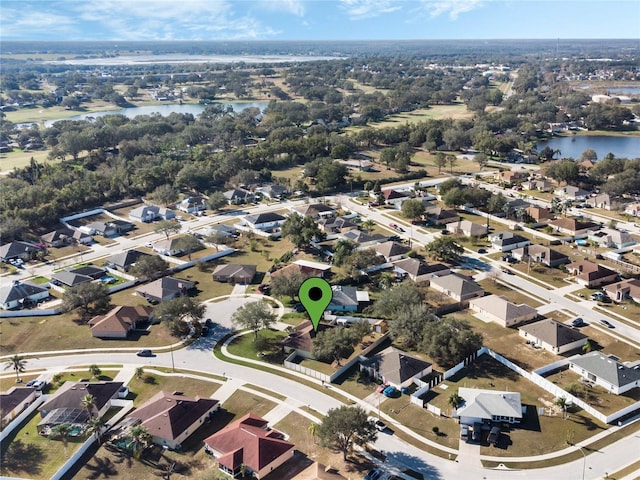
x=588 y=422
x=22 y=458
x=414 y=463
x=485 y=367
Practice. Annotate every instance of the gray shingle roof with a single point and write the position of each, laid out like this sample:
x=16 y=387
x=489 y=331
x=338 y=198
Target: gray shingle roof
x=552 y=332
x=396 y=366
x=18 y=291
x=607 y=369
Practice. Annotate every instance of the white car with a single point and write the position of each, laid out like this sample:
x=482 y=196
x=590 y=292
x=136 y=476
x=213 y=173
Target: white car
x=37 y=384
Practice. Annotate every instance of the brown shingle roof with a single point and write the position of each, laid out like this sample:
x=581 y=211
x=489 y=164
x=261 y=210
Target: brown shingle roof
x=121 y=318
x=552 y=332
x=168 y=415
x=247 y=441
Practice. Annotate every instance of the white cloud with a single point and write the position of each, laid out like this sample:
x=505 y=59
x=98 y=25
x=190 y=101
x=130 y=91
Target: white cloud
x=20 y=21
x=295 y=7
x=359 y=9
x=451 y=7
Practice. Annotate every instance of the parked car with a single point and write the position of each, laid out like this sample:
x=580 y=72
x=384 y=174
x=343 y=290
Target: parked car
x=264 y=288
x=507 y=271
x=373 y=474
x=144 y=353
x=482 y=250
x=476 y=432
x=391 y=392
x=577 y=322
x=123 y=391
x=298 y=307
x=394 y=226
x=464 y=432
x=494 y=434
x=37 y=384
x=379 y=424
x=205 y=331
x=606 y=323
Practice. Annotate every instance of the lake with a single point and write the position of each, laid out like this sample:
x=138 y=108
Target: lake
x=179 y=58
x=625 y=90
x=623 y=147
x=164 y=110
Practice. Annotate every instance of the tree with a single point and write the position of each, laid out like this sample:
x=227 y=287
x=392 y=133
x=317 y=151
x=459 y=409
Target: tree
x=188 y=244
x=95 y=426
x=496 y=203
x=254 y=316
x=413 y=209
x=177 y=311
x=140 y=440
x=301 y=230
x=287 y=283
x=63 y=432
x=449 y=184
x=590 y=154
x=165 y=194
x=563 y=171
x=440 y=161
x=342 y=251
x=396 y=299
x=368 y=225
x=562 y=403
x=452 y=160
x=359 y=260
x=445 y=249
x=482 y=160
x=18 y=364
x=408 y=324
x=313 y=430
x=344 y=427
x=167 y=228
x=333 y=344
x=88 y=402
x=139 y=373
x=449 y=341
x=455 y=197
x=216 y=201
x=150 y=266
x=455 y=400
x=95 y=371
x=89 y=297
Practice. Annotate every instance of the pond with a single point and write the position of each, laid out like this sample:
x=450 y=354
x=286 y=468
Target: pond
x=164 y=110
x=625 y=90
x=574 y=146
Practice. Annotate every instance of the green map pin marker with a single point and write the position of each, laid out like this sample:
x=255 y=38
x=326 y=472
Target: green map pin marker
x=315 y=294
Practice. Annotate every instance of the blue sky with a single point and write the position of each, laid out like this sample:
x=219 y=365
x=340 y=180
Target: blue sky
x=316 y=19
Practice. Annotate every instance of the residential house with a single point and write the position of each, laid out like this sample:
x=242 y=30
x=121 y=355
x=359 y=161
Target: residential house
x=441 y=216
x=315 y=210
x=506 y=241
x=573 y=226
x=458 y=287
x=19 y=294
x=619 y=291
x=364 y=239
x=333 y=225
x=586 y=165
x=108 y=229
x=611 y=238
x=540 y=254
x=487 y=406
x=304 y=267
x=539 y=214
x=17 y=249
x=395 y=367
x=467 y=228
x=165 y=288
x=150 y=213
x=264 y=221
x=171 y=418
x=249 y=444
x=510 y=177
x=14 y=401
x=602 y=200
x=239 y=196
x=224 y=231
x=395 y=197
x=538 y=185
x=301 y=338
x=122 y=226
x=500 y=310
x=391 y=251
x=123 y=261
x=192 y=204
x=65 y=236
x=606 y=371
x=235 y=273
x=273 y=190
x=70 y=279
x=632 y=209
x=358 y=165
x=591 y=274
x=169 y=246
x=571 y=193
x=347 y=299
x=419 y=271
x=119 y=321
x=319 y=471
x=553 y=336
x=65 y=406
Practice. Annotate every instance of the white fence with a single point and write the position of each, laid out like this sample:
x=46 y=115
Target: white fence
x=433 y=409
x=553 y=366
x=296 y=367
x=29 y=313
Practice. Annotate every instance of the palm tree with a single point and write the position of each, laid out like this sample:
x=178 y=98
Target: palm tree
x=455 y=399
x=562 y=403
x=313 y=429
x=139 y=373
x=63 y=432
x=95 y=371
x=386 y=280
x=368 y=225
x=18 y=364
x=95 y=426
x=140 y=439
x=88 y=402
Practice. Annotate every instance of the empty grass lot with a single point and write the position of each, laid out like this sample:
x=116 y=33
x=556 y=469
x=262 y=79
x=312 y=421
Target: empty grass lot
x=515 y=296
x=271 y=351
x=142 y=389
x=20 y=159
x=610 y=345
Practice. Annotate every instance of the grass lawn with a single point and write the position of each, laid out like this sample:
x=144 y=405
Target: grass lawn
x=270 y=350
x=595 y=396
x=456 y=111
x=508 y=343
x=610 y=345
x=349 y=383
x=28 y=454
x=550 y=276
x=146 y=387
x=20 y=159
x=241 y=403
x=513 y=295
x=60 y=332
